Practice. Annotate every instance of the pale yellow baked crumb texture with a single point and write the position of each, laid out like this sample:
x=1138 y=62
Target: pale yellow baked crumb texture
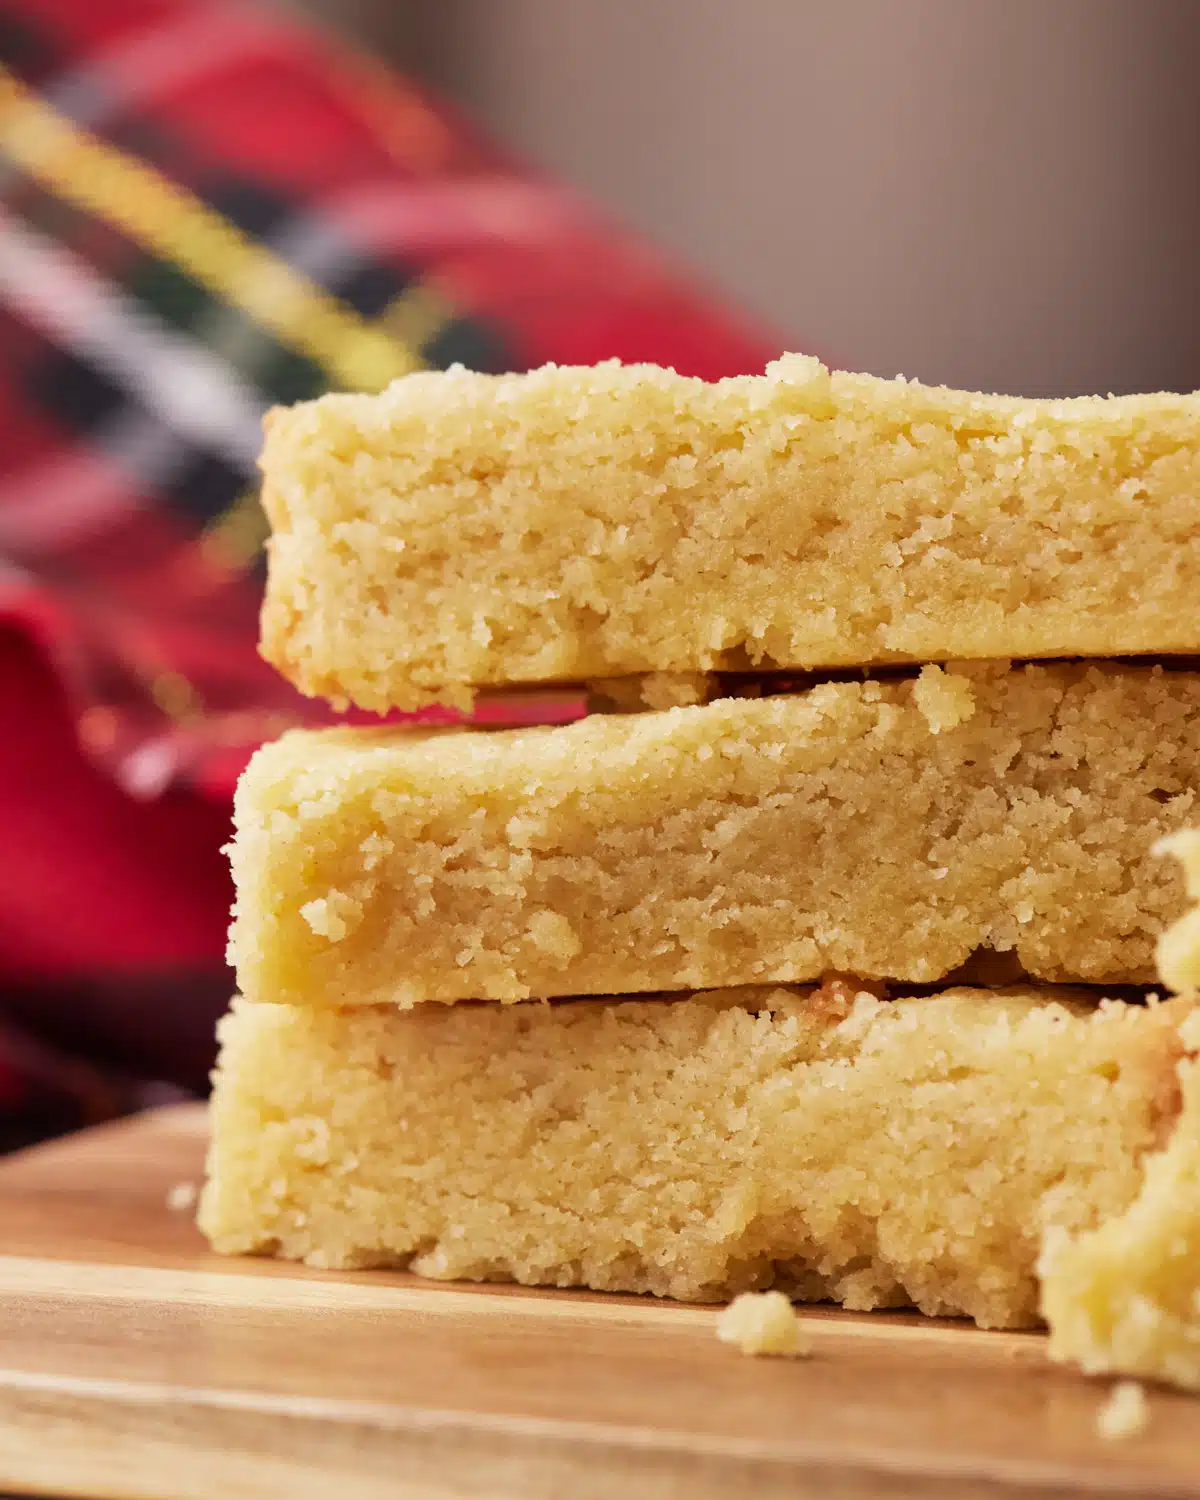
x=463 y=530
x=837 y=1146
x=763 y=1323
x=1125 y=1297
x=882 y=829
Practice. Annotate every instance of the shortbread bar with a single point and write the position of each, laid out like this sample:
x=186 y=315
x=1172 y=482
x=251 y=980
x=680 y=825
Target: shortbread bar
x=885 y=829
x=461 y=531
x=878 y=1153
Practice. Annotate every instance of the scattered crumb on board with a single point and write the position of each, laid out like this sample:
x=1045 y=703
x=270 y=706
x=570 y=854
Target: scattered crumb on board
x=763 y=1323
x=1124 y=1414
x=182 y=1196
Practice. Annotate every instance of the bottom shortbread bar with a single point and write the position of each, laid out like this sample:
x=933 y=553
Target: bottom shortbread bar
x=878 y=1153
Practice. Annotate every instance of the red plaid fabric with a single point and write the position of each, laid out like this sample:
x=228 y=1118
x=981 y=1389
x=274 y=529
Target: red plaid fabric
x=205 y=210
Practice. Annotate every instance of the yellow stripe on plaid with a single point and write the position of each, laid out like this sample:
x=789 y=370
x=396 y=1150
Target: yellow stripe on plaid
x=417 y=315
x=166 y=219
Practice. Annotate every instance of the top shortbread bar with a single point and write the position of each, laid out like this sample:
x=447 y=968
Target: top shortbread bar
x=464 y=531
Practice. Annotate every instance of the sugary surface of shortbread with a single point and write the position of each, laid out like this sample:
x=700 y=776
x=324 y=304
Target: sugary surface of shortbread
x=1125 y=1297
x=881 y=829
x=462 y=530
x=878 y=1153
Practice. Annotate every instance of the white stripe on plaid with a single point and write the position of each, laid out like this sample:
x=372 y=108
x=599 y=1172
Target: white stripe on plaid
x=414 y=219
x=132 y=72
x=196 y=396
x=172 y=223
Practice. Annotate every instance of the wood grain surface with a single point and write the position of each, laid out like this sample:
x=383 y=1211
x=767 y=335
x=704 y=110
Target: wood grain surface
x=134 y=1363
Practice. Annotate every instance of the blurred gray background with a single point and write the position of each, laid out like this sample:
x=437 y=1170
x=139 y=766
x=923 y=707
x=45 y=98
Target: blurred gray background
x=998 y=194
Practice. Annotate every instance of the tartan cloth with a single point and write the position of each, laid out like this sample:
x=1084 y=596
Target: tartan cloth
x=207 y=209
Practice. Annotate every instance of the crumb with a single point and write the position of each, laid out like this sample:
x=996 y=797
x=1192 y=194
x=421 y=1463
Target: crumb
x=1179 y=946
x=334 y=916
x=649 y=690
x=552 y=934
x=182 y=1196
x=763 y=1323
x=676 y=689
x=945 y=699
x=1124 y=1414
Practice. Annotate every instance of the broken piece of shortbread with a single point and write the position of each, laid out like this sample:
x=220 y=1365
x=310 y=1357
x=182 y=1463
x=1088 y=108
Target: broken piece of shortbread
x=1124 y=1297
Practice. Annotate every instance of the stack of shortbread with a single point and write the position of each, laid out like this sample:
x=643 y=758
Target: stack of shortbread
x=830 y=920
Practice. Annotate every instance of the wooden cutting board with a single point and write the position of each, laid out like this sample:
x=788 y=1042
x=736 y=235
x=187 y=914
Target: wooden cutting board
x=134 y=1363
